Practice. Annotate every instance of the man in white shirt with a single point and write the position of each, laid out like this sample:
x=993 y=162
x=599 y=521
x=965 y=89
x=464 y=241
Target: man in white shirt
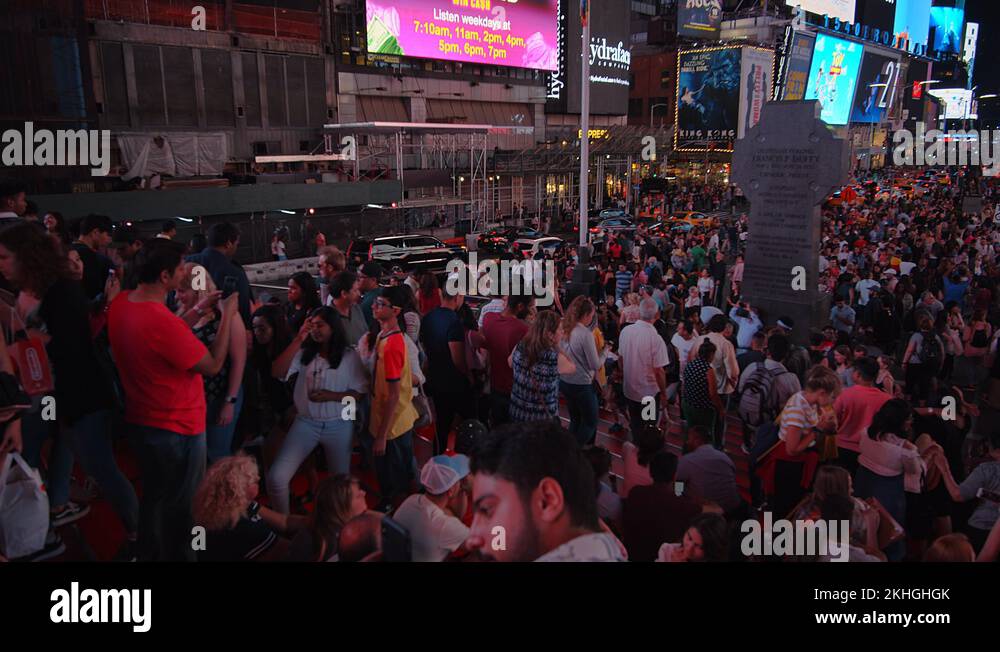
x=683 y=340
x=432 y=518
x=644 y=357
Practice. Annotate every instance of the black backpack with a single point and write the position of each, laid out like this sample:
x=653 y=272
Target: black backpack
x=930 y=350
x=758 y=402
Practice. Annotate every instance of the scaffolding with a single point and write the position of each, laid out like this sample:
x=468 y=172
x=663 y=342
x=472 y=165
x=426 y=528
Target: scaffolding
x=389 y=149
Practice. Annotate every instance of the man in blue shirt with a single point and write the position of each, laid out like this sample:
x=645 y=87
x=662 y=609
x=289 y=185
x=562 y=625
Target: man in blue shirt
x=443 y=338
x=217 y=259
x=842 y=316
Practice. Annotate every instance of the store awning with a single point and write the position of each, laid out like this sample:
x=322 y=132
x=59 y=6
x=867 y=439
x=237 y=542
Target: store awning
x=500 y=114
x=375 y=108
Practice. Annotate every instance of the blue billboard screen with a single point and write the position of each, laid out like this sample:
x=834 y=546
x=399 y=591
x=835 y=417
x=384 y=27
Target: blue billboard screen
x=833 y=77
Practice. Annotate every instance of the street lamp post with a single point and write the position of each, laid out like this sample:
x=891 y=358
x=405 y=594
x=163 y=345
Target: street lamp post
x=651 y=109
x=584 y=128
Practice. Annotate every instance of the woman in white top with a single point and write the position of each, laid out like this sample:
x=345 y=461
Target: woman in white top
x=331 y=379
x=278 y=247
x=889 y=462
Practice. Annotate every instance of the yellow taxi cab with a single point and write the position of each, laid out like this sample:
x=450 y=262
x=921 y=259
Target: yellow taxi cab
x=694 y=218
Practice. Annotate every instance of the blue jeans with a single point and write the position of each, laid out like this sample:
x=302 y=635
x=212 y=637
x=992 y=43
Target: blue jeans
x=91 y=440
x=335 y=436
x=220 y=438
x=172 y=467
x=394 y=469
x=34 y=432
x=581 y=400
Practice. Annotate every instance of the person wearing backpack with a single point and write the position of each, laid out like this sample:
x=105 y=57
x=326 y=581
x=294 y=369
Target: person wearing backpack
x=922 y=361
x=765 y=387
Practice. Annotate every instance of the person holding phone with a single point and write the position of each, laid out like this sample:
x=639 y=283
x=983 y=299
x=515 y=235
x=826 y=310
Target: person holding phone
x=330 y=380
x=224 y=390
x=217 y=258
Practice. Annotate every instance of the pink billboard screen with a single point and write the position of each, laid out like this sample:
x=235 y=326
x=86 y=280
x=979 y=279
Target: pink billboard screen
x=517 y=33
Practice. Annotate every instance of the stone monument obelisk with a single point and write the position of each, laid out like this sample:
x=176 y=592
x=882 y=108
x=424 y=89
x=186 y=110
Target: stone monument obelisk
x=786 y=166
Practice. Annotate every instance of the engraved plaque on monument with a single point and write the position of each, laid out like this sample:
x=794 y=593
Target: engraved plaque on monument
x=787 y=165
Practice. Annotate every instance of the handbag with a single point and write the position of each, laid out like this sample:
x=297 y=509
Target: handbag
x=24 y=508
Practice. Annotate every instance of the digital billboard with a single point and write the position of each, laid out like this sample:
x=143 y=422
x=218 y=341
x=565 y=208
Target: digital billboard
x=878 y=85
x=913 y=21
x=946 y=25
x=797 y=66
x=833 y=77
x=521 y=34
x=708 y=98
x=699 y=18
x=610 y=57
x=842 y=9
x=756 y=80
x=957 y=102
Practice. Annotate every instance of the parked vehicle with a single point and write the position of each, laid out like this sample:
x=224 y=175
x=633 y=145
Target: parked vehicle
x=419 y=252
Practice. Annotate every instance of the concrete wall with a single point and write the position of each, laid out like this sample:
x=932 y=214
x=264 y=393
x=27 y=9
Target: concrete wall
x=159 y=205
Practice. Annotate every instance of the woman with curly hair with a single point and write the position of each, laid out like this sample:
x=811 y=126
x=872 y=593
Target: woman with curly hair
x=237 y=527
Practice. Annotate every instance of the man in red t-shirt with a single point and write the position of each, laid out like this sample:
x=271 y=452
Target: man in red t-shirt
x=161 y=364
x=499 y=335
x=855 y=408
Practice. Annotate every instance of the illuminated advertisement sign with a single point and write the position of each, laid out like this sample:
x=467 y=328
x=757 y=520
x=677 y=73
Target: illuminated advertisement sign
x=708 y=99
x=913 y=21
x=842 y=9
x=878 y=85
x=799 y=58
x=699 y=18
x=755 y=87
x=610 y=56
x=946 y=25
x=516 y=33
x=833 y=77
x=957 y=102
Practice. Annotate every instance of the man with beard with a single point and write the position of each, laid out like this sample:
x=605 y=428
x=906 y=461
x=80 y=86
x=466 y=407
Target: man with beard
x=534 y=498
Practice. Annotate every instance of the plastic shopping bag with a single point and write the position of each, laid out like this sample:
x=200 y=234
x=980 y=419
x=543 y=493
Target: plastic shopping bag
x=24 y=509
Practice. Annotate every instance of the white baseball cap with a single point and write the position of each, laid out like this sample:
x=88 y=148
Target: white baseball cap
x=442 y=472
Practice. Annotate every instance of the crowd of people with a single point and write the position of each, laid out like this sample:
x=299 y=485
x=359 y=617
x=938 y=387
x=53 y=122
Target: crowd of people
x=157 y=351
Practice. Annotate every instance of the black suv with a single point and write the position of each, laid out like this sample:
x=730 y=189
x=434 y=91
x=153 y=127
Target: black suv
x=416 y=252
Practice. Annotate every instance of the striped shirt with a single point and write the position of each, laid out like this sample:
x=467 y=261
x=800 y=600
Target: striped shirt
x=798 y=413
x=623 y=283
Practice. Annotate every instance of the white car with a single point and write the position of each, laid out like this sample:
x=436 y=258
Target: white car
x=549 y=244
